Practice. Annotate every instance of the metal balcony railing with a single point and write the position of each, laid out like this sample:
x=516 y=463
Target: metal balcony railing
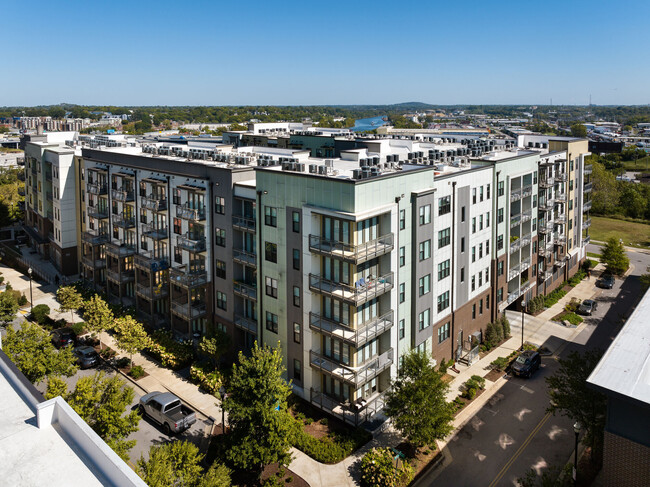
x=154 y=231
x=560 y=197
x=547 y=204
x=123 y=195
x=152 y=292
x=586 y=223
x=545 y=275
x=356 y=337
x=96 y=188
x=191 y=242
x=151 y=261
x=243 y=223
x=351 y=253
x=189 y=311
x=561 y=177
x=586 y=205
x=589 y=168
x=93 y=239
x=515 y=220
x=527 y=190
x=363 y=290
x=244 y=257
x=181 y=277
x=153 y=203
x=120 y=249
x=560 y=219
x=189 y=213
x=124 y=220
x=515 y=195
x=246 y=324
x=519 y=243
x=93 y=263
x=588 y=187
x=586 y=240
x=546 y=183
x=245 y=290
x=120 y=276
x=356 y=376
x=364 y=409
x=98 y=212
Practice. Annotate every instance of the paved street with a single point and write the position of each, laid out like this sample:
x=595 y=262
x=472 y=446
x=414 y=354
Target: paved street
x=512 y=432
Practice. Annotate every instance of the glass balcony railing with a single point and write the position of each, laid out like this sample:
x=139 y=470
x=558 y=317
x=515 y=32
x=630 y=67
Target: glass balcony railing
x=351 y=253
x=243 y=223
x=364 y=409
x=357 y=337
x=246 y=324
x=189 y=311
x=154 y=231
x=120 y=276
x=98 y=212
x=546 y=183
x=189 y=213
x=97 y=188
x=124 y=220
x=244 y=257
x=245 y=290
x=586 y=223
x=153 y=203
x=153 y=291
x=151 y=261
x=181 y=277
x=356 y=376
x=191 y=242
x=123 y=195
x=362 y=291
x=588 y=187
x=120 y=249
x=94 y=239
x=88 y=260
x=586 y=205
x=589 y=168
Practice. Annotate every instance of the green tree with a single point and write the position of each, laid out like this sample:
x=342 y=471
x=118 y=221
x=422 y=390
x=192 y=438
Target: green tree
x=260 y=425
x=215 y=346
x=605 y=195
x=645 y=279
x=56 y=387
x=102 y=402
x=578 y=130
x=8 y=308
x=130 y=335
x=216 y=476
x=69 y=300
x=417 y=402
x=571 y=396
x=614 y=257
x=378 y=469
x=31 y=349
x=98 y=315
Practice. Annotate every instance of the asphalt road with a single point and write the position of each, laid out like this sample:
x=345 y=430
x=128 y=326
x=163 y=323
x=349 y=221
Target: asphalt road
x=513 y=433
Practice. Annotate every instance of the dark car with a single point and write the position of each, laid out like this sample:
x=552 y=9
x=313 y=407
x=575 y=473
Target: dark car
x=63 y=337
x=527 y=363
x=86 y=356
x=606 y=282
x=587 y=307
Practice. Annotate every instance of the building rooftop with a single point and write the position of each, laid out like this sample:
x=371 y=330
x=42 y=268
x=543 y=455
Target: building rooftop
x=625 y=367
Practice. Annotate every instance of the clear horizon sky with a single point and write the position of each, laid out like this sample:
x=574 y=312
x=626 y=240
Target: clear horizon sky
x=324 y=53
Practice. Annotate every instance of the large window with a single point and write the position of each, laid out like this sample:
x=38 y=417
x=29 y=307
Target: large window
x=424 y=319
x=271 y=252
x=444 y=237
x=270 y=216
x=297 y=332
x=443 y=332
x=444 y=205
x=425 y=249
x=271 y=322
x=220 y=237
x=221 y=300
x=295 y=219
x=443 y=269
x=443 y=301
x=220 y=205
x=296 y=296
x=296 y=259
x=221 y=269
x=271 y=287
x=425 y=214
x=425 y=284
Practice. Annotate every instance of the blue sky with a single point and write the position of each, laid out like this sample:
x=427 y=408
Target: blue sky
x=337 y=52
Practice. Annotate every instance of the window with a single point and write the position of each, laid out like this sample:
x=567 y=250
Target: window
x=473 y=283
x=570 y=204
x=473 y=254
x=425 y=214
x=402 y=292
x=474 y=311
x=220 y=237
x=295 y=220
x=444 y=238
x=487 y=302
x=296 y=296
x=220 y=205
x=178 y=255
x=271 y=287
x=462 y=274
x=444 y=206
x=481 y=193
x=424 y=319
x=571 y=185
x=221 y=269
x=500 y=189
x=473 y=195
x=296 y=259
x=462 y=214
x=401 y=329
x=271 y=252
x=487 y=191
x=271 y=322
x=480 y=222
x=177 y=226
x=402 y=256
x=462 y=244
x=487 y=220
x=500 y=242
x=534 y=224
x=297 y=332
x=500 y=215
x=480 y=251
x=176 y=196
x=535 y=177
x=270 y=216
x=143 y=188
x=425 y=249
x=143 y=215
x=480 y=279
x=443 y=270
x=500 y=268
x=425 y=284
x=402 y=219
x=443 y=332
x=499 y=295
x=221 y=300
x=297 y=370
x=534 y=201
x=443 y=301
x=473 y=224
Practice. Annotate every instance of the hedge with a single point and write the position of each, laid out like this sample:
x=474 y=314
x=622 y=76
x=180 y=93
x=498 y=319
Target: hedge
x=331 y=449
x=169 y=352
x=207 y=379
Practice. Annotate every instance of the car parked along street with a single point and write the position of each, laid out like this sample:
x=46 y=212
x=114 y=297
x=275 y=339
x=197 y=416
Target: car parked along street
x=527 y=363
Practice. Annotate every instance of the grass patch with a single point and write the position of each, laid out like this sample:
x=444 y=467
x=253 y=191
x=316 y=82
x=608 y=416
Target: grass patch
x=633 y=234
x=642 y=164
x=593 y=255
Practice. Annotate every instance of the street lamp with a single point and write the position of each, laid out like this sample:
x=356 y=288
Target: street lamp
x=31 y=299
x=523 y=307
x=222 y=393
x=576 y=428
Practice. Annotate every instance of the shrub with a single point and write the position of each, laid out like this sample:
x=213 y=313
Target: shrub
x=22 y=300
x=443 y=366
x=479 y=380
x=330 y=449
x=40 y=313
x=472 y=386
x=505 y=325
x=136 y=372
x=572 y=318
x=78 y=328
x=378 y=469
x=324 y=421
x=577 y=277
x=123 y=362
x=206 y=378
x=500 y=363
x=536 y=304
x=272 y=481
x=491 y=336
x=308 y=421
x=572 y=306
x=107 y=353
x=169 y=352
x=554 y=297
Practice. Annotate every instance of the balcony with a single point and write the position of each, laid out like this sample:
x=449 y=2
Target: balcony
x=588 y=187
x=48 y=176
x=519 y=243
x=545 y=228
x=189 y=311
x=124 y=220
x=546 y=251
x=355 y=254
x=546 y=183
x=152 y=292
x=153 y=203
x=586 y=240
x=512 y=297
x=123 y=195
x=98 y=212
x=48 y=195
x=93 y=239
x=88 y=261
x=363 y=290
x=586 y=223
x=559 y=263
x=515 y=220
x=560 y=197
x=355 y=414
x=515 y=195
x=243 y=223
x=150 y=261
x=120 y=277
x=561 y=178
x=192 y=242
x=120 y=249
x=187 y=212
x=188 y=280
x=547 y=205
x=154 y=231
x=356 y=376
x=245 y=290
x=527 y=190
x=544 y=275
x=589 y=168
x=243 y=257
x=356 y=337
x=560 y=240
x=97 y=188
x=586 y=205
x=246 y=324
x=560 y=219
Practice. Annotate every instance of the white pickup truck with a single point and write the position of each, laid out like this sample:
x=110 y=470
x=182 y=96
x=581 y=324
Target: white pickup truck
x=168 y=410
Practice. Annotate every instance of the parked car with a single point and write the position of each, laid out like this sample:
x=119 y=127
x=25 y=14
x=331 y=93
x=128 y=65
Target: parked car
x=63 y=337
x=606 y=282
x=167 y=410
x=587 y=307
x=527 y=363
x=86 y=356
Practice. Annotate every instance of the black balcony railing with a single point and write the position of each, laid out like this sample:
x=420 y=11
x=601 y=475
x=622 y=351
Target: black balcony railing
x=355 y=414
x=98 y=212
x=181 y=277
x=245 y=290
x=244 y=257
x=246 y=324
x=154 y=231
x=357 y=337
x=243 y=223
x=97 y=188
x=120 y=276
x=352 y=253
x=191 y=242
x=152 y=291
x=120 y=249
x=123 y=195
x=124 y=220
x=151 y=261
x=363 y=290
x=189 y=311
x=153 y=203
x=188 y=212
x=356 y=376
x=94 y=239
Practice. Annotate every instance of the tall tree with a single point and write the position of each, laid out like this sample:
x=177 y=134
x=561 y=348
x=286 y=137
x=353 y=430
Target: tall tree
x=215 y=346
x=69 y=300
x=130 y=335
x=614 y=257
x=260 y=424
x=8 y=308
x=571 y=396
x=578 y=130
x=417 y=402
x=31 y=349
x=98 y=315
x=605 y=195
x=102 y=403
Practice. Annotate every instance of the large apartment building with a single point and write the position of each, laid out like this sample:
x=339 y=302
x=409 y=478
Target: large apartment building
x=399 y=243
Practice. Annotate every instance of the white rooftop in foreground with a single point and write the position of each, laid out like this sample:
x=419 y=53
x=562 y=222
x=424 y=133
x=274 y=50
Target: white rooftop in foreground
x=49 y=444
x=625 y=367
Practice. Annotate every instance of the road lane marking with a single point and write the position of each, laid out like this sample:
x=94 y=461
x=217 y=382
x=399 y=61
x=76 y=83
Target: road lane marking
x=523 y=446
